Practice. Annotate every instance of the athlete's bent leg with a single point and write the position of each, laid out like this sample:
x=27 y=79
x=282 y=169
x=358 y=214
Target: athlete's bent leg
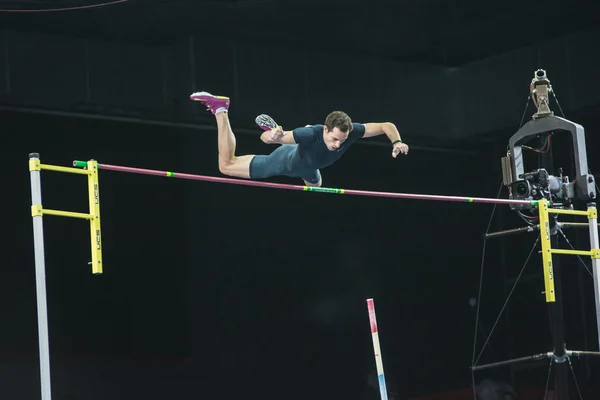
x=229 y=164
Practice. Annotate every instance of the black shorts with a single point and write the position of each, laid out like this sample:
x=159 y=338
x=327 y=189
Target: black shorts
x=280 y=163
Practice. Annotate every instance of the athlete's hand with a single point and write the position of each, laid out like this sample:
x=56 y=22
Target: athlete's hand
x=399 y=148
x=276 y=133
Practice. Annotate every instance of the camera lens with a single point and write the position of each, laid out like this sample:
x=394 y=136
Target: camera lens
x=540 y=73
x=521 y=189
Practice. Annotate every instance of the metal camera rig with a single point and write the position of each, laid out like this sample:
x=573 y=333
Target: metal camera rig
x=551 y=196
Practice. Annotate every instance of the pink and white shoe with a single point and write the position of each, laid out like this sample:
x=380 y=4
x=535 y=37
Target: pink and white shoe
x=213 y=103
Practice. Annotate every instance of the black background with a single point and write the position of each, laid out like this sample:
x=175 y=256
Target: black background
x=221 y=290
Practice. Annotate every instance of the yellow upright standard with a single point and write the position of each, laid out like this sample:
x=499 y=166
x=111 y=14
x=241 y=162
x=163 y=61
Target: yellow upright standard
x=95 y=231
x=94 y=205
x=546 y=251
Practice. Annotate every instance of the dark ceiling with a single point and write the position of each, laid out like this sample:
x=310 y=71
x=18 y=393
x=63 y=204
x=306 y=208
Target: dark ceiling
x=441 y=32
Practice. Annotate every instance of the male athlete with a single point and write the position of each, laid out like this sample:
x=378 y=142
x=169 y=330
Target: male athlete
x=304 y=150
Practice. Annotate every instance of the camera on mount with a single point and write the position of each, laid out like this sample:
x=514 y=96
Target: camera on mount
x=538 y=184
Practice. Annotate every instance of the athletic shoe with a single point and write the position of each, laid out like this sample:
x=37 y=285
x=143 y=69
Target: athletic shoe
x=265 y=122
x=212 y=102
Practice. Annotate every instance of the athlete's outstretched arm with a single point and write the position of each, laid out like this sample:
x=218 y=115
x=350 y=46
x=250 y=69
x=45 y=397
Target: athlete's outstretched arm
x=380 y=128
x=390 y=130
